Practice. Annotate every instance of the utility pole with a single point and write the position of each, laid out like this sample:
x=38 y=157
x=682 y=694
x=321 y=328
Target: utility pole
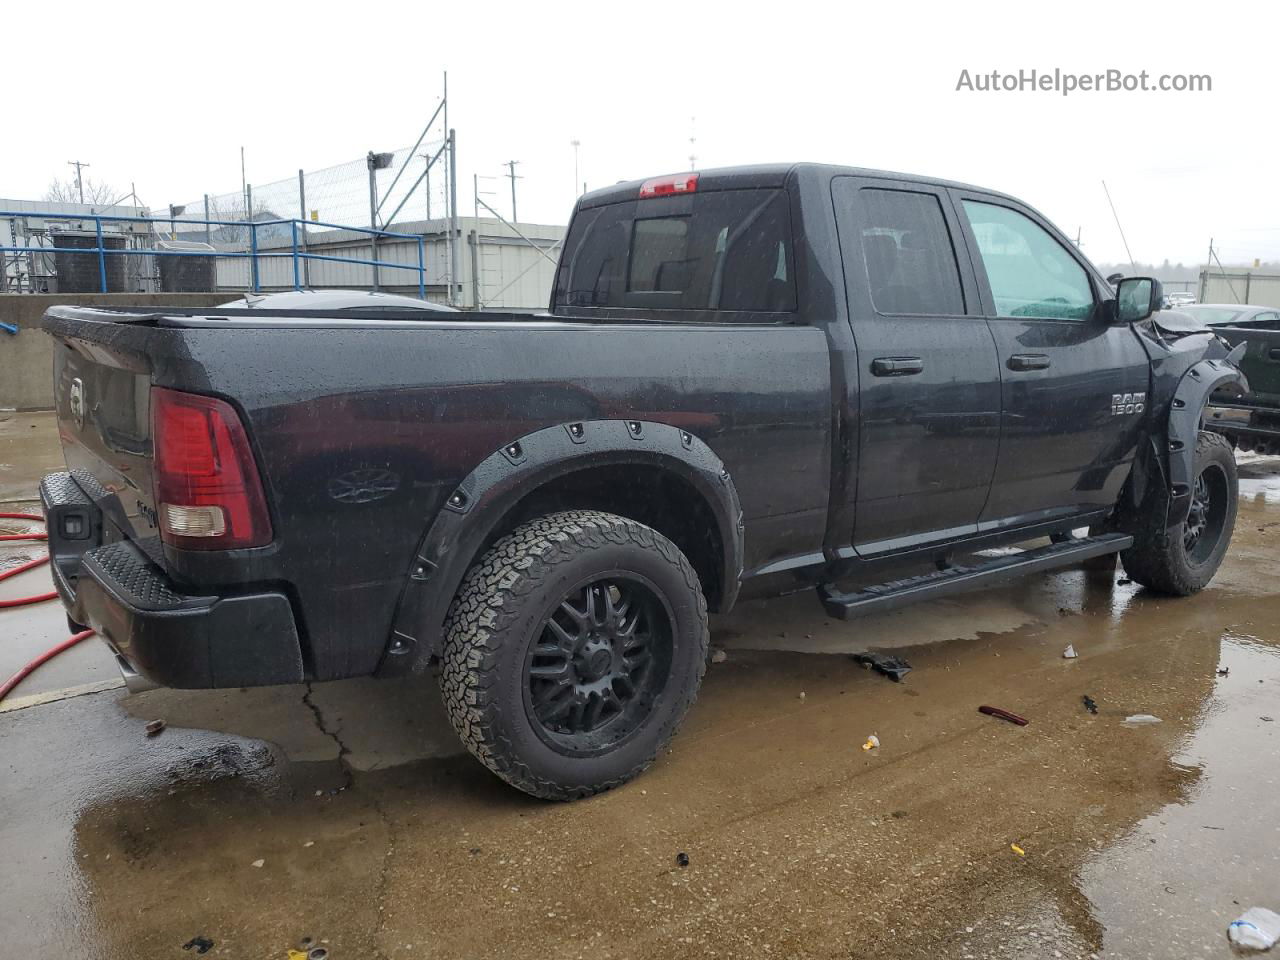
x=511 y=166
x=79 y=180
x=575 y=144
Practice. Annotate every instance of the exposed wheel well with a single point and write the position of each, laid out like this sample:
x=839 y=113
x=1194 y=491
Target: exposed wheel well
x=647 y=494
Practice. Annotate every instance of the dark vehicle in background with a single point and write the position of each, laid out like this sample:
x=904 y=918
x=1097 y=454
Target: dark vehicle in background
x=751 y=381
x=1252 y=421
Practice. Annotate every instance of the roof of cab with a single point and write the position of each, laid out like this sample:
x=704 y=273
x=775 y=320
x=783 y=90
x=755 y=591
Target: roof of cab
x=765 y=175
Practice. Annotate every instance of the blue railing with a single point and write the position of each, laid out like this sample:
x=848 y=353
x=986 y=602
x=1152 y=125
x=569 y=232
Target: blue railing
x=300 y=255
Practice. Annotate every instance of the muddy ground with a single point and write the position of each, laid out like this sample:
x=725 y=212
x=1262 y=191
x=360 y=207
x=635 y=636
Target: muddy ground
x=347 y=812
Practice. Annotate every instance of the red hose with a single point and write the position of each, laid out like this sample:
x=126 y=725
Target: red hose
x=49 y=654
x=23 y=567
x=45 y=657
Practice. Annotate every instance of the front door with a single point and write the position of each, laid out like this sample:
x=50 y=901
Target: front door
x=928 y=382
x=1074 y=385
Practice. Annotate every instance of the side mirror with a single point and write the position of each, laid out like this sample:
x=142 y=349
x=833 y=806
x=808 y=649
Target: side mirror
x=1137 y=298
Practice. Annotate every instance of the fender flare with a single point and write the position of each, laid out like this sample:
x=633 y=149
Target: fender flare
x=468 y=516
x=1185 y=411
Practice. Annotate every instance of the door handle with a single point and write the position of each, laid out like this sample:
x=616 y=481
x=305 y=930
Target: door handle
x=1274 y=355
x=1028 y=361
x=896 y=366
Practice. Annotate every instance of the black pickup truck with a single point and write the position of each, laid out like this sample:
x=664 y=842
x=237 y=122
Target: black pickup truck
x=752 y=381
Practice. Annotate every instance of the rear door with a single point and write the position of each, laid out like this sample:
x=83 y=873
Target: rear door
x=929 y=384
x=1074 y=385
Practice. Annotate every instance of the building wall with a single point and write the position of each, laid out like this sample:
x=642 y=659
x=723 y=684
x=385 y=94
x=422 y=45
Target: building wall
x=514 y=272
x=26 y=360
x=1240 y=286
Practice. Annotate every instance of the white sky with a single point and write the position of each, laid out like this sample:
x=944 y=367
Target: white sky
x=183 y=86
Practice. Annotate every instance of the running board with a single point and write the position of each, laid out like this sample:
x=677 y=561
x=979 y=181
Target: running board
x=953 y=580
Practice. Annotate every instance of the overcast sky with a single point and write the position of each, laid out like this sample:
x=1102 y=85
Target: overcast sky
x=165 y=94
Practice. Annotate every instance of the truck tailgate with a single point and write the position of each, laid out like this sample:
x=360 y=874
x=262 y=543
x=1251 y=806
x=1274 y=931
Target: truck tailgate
x=102 y=393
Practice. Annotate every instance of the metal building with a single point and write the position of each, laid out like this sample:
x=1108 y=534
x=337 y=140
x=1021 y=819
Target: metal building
x=501 y=266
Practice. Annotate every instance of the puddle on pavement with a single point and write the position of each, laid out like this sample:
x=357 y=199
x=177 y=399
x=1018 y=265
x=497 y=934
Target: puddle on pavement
x=801 y=843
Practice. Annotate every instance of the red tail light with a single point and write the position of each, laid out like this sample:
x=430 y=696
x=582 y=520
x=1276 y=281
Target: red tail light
x=669 y=186
x=208 y=494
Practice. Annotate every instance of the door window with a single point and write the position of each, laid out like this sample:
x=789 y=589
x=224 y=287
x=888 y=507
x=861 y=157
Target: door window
x=911 y=263
x=1030 y=273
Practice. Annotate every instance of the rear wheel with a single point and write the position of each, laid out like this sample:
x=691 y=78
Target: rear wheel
x=1183 y=560
x=573 y=650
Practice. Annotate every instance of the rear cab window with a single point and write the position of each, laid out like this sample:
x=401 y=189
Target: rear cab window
x=721 y=255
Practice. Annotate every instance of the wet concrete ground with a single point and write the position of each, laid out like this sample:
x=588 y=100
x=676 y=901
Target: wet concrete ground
x=379 y=837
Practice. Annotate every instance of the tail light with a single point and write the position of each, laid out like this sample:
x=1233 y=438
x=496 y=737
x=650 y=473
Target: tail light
x=669 y=186
x=208 y=494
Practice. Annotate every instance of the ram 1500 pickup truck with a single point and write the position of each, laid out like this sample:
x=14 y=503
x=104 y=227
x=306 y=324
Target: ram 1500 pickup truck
x=751 y=381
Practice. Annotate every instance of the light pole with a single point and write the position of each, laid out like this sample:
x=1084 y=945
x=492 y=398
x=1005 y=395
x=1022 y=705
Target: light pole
x=576 y=182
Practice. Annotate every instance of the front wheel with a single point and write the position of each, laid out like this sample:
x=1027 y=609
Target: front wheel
x=573 y=650
x=1182 y=560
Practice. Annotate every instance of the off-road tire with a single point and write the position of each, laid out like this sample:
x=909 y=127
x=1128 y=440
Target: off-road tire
x=499 y=611
x=1158 y=558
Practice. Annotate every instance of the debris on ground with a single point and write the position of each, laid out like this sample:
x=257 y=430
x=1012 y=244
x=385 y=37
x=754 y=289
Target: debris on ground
x=1089 y=703
x=1003 y=715
x=682 y=859
x=198 y=944
x=1224 y=672
x=895 y=668
x=257 y=863
x=1142 y=719
x=801 y=694
x=1267 y=719
x=1256 y=929
x=872 y=742
x=1069 y=653
x=1017 y=849
x=718 y=655
x=155 y=728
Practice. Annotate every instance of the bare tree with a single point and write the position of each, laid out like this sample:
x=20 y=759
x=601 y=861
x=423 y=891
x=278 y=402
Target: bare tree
x=95 y=192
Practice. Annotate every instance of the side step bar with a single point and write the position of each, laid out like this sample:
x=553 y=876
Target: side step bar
x=953 y=580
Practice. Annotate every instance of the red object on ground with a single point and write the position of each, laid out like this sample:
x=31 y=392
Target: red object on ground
x=45 y=657
x=23 y=567
x=1003 y=715
x=52 y=652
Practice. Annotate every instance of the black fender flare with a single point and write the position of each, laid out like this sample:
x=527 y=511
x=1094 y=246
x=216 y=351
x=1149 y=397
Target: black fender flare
x=459 y=530
x=1185 y=412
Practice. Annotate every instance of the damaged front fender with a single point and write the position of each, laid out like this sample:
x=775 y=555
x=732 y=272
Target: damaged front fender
x=1186 y=411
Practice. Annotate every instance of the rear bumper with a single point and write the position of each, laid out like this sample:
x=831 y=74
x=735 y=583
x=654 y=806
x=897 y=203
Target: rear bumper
x=170 y=637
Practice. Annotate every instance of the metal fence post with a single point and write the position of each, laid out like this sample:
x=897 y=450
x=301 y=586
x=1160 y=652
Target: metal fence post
x=206 y=221
x=455 y=280
x=302 y=215
x=293 y=227
x=253 y=253
x=422 y=273
x=102 y=256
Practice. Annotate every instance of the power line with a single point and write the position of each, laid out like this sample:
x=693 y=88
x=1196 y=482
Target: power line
x=1118 y=227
